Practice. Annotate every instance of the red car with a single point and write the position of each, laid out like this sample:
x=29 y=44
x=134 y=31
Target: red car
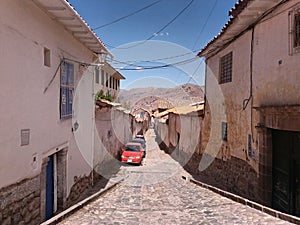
x=132 y=153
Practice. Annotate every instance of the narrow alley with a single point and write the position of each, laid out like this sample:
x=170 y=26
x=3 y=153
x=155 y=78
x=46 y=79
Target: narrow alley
x=155 y=193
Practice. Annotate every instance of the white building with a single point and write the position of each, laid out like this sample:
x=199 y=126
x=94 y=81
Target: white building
x=47 y=53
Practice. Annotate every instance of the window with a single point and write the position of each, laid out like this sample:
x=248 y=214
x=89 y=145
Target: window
x=97 y=75
x=102 y=77
x=106 y=80
x=66 y=90
x=224 y=131
x=294 y=30
x=226 y=69
x=46 y=57
x=297 y=30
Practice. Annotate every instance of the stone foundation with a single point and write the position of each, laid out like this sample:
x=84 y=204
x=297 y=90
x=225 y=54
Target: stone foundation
x=234 y=175
x=20 y=203
x=80 y=186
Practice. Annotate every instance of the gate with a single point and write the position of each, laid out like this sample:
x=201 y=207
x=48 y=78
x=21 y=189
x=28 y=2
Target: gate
x=286 y=171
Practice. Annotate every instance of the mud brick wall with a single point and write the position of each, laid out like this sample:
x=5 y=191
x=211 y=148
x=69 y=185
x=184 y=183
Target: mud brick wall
x=20 y=203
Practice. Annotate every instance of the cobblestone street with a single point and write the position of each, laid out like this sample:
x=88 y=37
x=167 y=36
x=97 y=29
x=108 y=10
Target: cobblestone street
x=155 y=193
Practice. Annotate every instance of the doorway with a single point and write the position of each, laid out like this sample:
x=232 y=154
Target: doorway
x=51 y=186
x=53 y=183
x=286 y=171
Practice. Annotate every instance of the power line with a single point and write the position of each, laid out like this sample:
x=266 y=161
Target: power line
x=192 y=77
x=197 y=39
x=130 y=14
x=205 y=23
x=160 y=30
x=177 y=56
x=139 y=67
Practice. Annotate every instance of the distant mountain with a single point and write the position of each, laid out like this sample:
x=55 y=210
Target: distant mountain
x=152 y=98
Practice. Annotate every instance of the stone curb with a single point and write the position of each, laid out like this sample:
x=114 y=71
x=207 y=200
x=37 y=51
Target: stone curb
x=64 y=214
x=244 y=201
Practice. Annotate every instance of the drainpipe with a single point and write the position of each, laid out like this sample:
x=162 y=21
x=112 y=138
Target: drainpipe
x=246 y=101
x=250 y=98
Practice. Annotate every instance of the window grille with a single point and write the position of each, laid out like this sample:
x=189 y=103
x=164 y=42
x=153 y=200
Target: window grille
x=226 y=69
x=66 y=90
x=224 y=131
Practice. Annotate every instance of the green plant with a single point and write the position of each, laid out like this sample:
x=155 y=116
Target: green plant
x=108 y=97
x=100 y=95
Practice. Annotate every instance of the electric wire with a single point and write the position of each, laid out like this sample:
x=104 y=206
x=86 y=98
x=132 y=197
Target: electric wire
x=139 y=67
x=160 y=30
x=205 y=23
x=124 y=17
x=198 y=37
x=195 y=43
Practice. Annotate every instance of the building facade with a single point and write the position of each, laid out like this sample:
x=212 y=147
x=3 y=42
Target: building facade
x=253 y=115
x=47 y=54
x=107 y=81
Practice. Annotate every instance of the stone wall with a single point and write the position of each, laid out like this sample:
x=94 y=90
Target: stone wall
x=233 y=175
x=20 y=203
x=81 y=184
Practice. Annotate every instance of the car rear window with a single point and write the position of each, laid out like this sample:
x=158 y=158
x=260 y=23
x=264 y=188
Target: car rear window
x=132 y=148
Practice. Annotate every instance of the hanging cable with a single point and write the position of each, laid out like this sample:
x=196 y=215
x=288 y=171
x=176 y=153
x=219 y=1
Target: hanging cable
x=52 y=79
x=161 y=29
x=124 y=17
x=192 y=77
x=138 y=67
x=205 y=23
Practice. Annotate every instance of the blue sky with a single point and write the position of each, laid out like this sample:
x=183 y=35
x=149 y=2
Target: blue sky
x=190 y=32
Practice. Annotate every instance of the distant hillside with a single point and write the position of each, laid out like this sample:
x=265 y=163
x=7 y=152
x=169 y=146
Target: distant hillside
x=152 y=98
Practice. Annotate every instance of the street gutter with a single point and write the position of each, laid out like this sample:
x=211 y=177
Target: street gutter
x=247 y=202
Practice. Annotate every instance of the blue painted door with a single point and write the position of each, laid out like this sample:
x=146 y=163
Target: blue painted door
x=49 y=188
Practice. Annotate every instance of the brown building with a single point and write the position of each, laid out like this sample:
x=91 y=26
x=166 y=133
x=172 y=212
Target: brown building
x=251 y=135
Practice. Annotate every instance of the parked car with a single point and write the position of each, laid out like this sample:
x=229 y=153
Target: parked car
x=142 y=142
x=140 y=136
x=132 y=153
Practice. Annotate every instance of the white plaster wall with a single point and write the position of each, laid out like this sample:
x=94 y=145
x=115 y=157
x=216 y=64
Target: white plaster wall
x=24 y=32
x=275 y=83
